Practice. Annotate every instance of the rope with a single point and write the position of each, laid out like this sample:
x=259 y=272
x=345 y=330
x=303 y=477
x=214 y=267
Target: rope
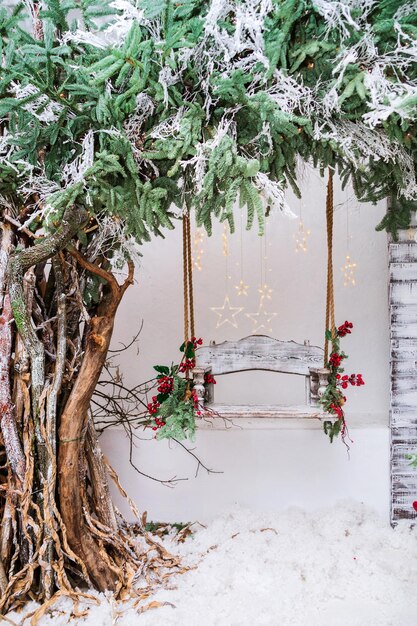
x=185 y=275
x=330 y=323
x=190 y=279
x=189 y=323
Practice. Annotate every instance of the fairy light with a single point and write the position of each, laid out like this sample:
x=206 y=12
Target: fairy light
x=349 y=268
x=349 y=273
x=242 y=288
x=225 y=241
x=301 y=237
x=198 y=249
x=226 y=313
x=302 y=234
x=261 y=319
x=265 y=292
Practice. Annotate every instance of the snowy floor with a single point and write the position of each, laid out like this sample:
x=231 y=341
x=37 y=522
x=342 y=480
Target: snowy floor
x=342 y=566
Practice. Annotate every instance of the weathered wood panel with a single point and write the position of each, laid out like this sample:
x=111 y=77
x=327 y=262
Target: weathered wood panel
x=403 y=413
x=404 y=322
x=403 y=349
x=403 y=272
x=402 y=252
x=267 y=412
x=399 y=311
x=259 y=352
x=403 y=386
x=403 y=496
x=402 y=331
x=404 y=369
x=402 y=417
x=401 y=457
x=403 y=293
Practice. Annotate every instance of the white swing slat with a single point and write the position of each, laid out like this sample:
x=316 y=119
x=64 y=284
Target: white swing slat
x=259 y=352
x=304 y=411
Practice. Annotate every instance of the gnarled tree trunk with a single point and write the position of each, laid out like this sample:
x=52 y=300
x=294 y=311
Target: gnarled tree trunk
x=58 y=523
x=72 y=431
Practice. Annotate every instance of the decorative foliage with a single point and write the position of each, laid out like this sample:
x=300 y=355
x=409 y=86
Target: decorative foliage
x=333 y=398
x=199 y=104
x=176 y=406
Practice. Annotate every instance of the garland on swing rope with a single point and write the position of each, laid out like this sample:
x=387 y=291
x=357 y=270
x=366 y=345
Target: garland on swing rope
x=176 y=406
x=333 y=399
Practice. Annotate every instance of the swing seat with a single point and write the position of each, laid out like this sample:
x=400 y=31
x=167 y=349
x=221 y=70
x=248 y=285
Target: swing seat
x=259 y=352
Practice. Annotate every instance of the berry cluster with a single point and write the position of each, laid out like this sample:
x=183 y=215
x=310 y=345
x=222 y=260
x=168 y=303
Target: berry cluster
x=196 y=402
x=196 y=342
x=345 y=329
x=336 y=359
x=336 y=410
x=159 y=423
x=186 y=365
x=153 y=406
x=355 y=380
x=166 y=384
x=209 y=379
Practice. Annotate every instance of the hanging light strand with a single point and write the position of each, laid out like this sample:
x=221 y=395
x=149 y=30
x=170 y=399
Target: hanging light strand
x=241 y=288
x=349 y=268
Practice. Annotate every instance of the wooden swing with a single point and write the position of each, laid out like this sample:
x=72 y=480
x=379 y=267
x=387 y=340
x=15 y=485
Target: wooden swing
x=260 y=352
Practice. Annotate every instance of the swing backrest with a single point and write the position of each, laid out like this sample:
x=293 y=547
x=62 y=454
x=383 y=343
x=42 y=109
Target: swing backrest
x=259 y=352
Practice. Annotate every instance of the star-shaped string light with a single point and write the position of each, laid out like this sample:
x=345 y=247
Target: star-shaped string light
x=242 y=288
x=265 y=292
x=349 y=272
x=261 y=320
x=226 y=313
x=301 y=237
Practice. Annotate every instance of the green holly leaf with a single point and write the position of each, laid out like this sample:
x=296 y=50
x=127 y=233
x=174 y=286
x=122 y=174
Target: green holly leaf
x=190 y=352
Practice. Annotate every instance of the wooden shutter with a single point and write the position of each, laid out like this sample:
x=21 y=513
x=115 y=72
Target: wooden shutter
x=403 y=413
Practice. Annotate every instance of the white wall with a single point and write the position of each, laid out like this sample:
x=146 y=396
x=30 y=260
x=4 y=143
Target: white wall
x=298 y=282
x=266 y=469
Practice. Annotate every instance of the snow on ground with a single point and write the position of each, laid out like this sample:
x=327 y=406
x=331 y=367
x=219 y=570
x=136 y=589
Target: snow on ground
x=342 y=566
